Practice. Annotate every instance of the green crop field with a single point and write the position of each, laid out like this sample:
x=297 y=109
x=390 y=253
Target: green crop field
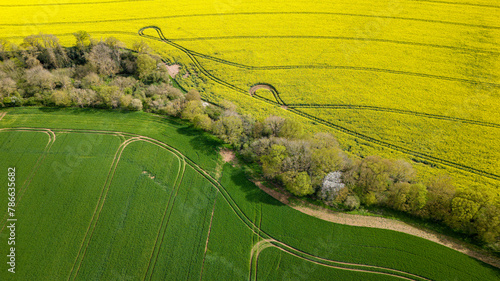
x=414 y=79
x=104 y=195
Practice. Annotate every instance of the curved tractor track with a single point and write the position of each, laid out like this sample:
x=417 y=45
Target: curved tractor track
x=294 y=108
x=251 y=225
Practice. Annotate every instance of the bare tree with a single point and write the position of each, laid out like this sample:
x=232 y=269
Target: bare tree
x=105 y=60
x=39 y=79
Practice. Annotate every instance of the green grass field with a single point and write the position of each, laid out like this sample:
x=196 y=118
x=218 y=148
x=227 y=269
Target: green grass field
x=108 y=195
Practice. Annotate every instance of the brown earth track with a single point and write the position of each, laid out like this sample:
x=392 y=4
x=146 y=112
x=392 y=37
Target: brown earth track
x=383 y=223
x=354 y=220
x=2 y=115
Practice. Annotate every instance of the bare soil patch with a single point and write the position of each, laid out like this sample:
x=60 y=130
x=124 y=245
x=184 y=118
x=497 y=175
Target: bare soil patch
x=173 y=70
x=227 y=155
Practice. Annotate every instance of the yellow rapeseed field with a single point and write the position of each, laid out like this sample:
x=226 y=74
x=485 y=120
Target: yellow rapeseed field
x=414 y=79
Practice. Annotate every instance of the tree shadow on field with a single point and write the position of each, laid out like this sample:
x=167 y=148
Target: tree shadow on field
x=200 y=140
x=49 y=109
x=252 y=193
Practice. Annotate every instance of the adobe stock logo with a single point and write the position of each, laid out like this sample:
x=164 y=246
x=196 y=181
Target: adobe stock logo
x=45 y=11
x=225 y=6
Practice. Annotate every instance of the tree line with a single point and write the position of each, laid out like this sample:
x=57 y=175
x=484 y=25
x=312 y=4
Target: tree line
x=105 y=74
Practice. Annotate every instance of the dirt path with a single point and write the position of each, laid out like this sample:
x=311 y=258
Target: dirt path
x=341 y=218
x=2 y=115
x=383 y=223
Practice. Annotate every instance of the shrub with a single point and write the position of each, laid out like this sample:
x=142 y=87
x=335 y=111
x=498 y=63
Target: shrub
x=145 y=66
x=91 y=80
x=39 y=79
x=125 y=101
x=136 y=105
x=297 y=183
x=352 y=202
x=202 y=121
x=60 y=98
x=193 y=95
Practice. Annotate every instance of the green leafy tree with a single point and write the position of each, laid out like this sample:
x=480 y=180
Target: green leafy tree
x=60 y=98
x=298 y=183
x=125 y=101
x=417 y=197
x=407 y=197
x=83 y=40
x=192 y=109
x=272 y=162
x=229 y=129
x=141 y=47
x=487 y=224
x=193 y=95
x=291 y=129
x=146 y=65
x=440 y=193
x=373 y=179
x=202 y=121
x=324 y=161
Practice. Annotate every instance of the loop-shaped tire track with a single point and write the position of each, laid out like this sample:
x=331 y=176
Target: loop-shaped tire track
x=244 y=218
x=250 y=224
x=268 y=87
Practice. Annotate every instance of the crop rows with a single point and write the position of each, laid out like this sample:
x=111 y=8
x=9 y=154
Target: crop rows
x=251 y=225
x=393 y=110
x=345 y=38
x=192 y=55
x=459 y=3
x=69 y=3
x=263 y=13
x=322 y=66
